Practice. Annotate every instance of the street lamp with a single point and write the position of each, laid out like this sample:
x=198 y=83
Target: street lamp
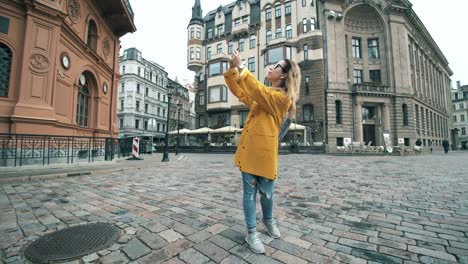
x=179 y=106
x=166 y=145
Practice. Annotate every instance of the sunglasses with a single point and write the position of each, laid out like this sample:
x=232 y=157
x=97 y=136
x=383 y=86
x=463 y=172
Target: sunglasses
x=279 y=65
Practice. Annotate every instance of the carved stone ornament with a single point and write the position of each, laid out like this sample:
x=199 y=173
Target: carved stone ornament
x=106 y=47
x=39 y=62
x=74 y=10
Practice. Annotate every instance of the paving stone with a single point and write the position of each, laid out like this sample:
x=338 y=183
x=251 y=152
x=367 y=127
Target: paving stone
x=154 y=241
x=114 y=258
x=176 y=247
x=287 y=258
x=223 y=242
x=233 y=260
x=211 y=250
x=135 y=249
x=158 y=256
x=174 y=261
x=170 y=235
x=432 y=253
x=193 y=257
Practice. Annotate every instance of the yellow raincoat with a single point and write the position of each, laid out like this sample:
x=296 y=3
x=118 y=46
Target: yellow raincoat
x=257 y=151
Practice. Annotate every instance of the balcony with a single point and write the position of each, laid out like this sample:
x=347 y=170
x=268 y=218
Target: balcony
x=194 y=65
x=119 y=16
x=371 y=88
x=240 y=30
x=218 y=56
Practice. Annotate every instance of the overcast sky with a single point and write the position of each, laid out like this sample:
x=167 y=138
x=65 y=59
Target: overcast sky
x=162 y=32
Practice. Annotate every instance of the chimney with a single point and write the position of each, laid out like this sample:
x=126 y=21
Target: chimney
x=458 y=85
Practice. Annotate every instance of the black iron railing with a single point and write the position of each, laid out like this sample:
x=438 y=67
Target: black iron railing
x=29 y=149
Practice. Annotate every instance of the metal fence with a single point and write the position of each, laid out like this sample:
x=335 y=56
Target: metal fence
x=29 y=149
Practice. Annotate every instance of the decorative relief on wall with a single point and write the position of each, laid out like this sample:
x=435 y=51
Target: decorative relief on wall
x=74 y=10
x=106 y=47
x=39 y=62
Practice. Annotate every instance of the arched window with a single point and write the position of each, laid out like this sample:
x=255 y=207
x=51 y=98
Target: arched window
x=82 y=109
x=5 y=69
x=278 y=32
x=288 y=31
x=404 y=109
x=308 y=113
x=253 y=40
x=338 y=110
x=92 y=35
x=268 y=36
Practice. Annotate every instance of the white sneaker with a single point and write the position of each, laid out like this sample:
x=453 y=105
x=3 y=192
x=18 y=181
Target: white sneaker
x=272 y=228
x=256 y=245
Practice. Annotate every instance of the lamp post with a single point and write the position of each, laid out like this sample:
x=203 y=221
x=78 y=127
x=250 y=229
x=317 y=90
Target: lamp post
x=179 y=106
x=166 y=145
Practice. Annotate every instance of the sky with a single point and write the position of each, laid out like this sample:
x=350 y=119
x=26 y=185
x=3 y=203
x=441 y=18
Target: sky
x=161 y=33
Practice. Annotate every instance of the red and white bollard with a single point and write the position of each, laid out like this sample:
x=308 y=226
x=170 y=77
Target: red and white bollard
x=135 y=149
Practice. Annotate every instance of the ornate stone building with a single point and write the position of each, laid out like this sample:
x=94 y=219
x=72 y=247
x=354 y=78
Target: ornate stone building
x=143 y=96
x=368 y=66
x=59 y=63
x=460 y=116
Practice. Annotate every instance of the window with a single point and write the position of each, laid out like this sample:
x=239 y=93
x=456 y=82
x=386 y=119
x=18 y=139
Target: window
x=220 y=30
x=138 y=105
x=462 y=106
x=92 y=35
x=241 y=44
x=121 y=104
x=192 y=33
x=307 y=86
x=198 y=33
x=123 y=69
x=245 y=19
x=137 y=124
x=454 y=107
x=230 y=47
x=306 y=52
x=304 y=25
x=145 y=125
x=275 y=55
x=198 y=53
x=356 y=48
x=268 y=36
x=373 y=48
x=237 y=21
x=210 y=33
x=201 y=100
x=454 y=119
x=159 y=111
x=164 y=112
x=277 y=10
x=219 y=48
x=5 y=69
x=308 y=113
x=338 y=110
x=252 y=64
x=217 y=68
x=463 y=131
x=462 y=118
x=219 y=119
x=146 y=108
x=268 y=13
x=139 y=71
x=121 y=123
x=158 y=127
x=278 y=33
x=159 y=96
x=122 y=87
x=243 y=117
x=138 y=88
x=374 y=76
x=404 y=109
x=163 y=128
x=82 y=108
x=304 y=2
x=339 y=142
x=217 y=94
x=253 y=40
x=312 y=24
x=368 y=112
x=287 y=8
x=192 y=53
x=208 y=53
x=288 y=31
x=357 y=76
x=147 y=91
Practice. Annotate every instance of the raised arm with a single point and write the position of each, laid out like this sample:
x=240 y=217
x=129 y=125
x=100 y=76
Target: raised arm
x=231 y=78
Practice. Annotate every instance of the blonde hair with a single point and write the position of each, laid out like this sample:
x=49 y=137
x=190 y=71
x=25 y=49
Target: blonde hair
x=292 y=83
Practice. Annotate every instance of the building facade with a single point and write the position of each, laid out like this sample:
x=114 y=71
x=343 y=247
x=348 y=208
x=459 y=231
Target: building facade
x=368 y=67
x=143 y=98
x=460 y=117
x=59 y=66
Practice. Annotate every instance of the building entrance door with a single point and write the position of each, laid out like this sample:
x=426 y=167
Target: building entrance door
x=369 y=134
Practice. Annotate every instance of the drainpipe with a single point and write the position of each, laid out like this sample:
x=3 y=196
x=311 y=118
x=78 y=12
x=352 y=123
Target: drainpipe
x=325 y=72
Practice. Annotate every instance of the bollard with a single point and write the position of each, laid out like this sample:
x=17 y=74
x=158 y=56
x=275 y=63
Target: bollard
x=136 y=146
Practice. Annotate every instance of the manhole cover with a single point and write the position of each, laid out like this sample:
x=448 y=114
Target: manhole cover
x=71 y=243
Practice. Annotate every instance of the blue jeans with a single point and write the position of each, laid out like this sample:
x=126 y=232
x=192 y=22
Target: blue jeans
x=265 y=187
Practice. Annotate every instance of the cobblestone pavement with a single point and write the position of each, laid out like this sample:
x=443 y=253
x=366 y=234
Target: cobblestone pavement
x=330 y=209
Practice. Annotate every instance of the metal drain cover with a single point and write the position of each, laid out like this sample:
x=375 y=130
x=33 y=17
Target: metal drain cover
x=71 y=243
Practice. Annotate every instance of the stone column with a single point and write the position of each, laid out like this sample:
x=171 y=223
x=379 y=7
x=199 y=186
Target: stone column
x=358 y=135
x=386 y=117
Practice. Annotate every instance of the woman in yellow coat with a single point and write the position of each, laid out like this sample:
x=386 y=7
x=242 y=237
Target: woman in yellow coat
x=257 y=151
